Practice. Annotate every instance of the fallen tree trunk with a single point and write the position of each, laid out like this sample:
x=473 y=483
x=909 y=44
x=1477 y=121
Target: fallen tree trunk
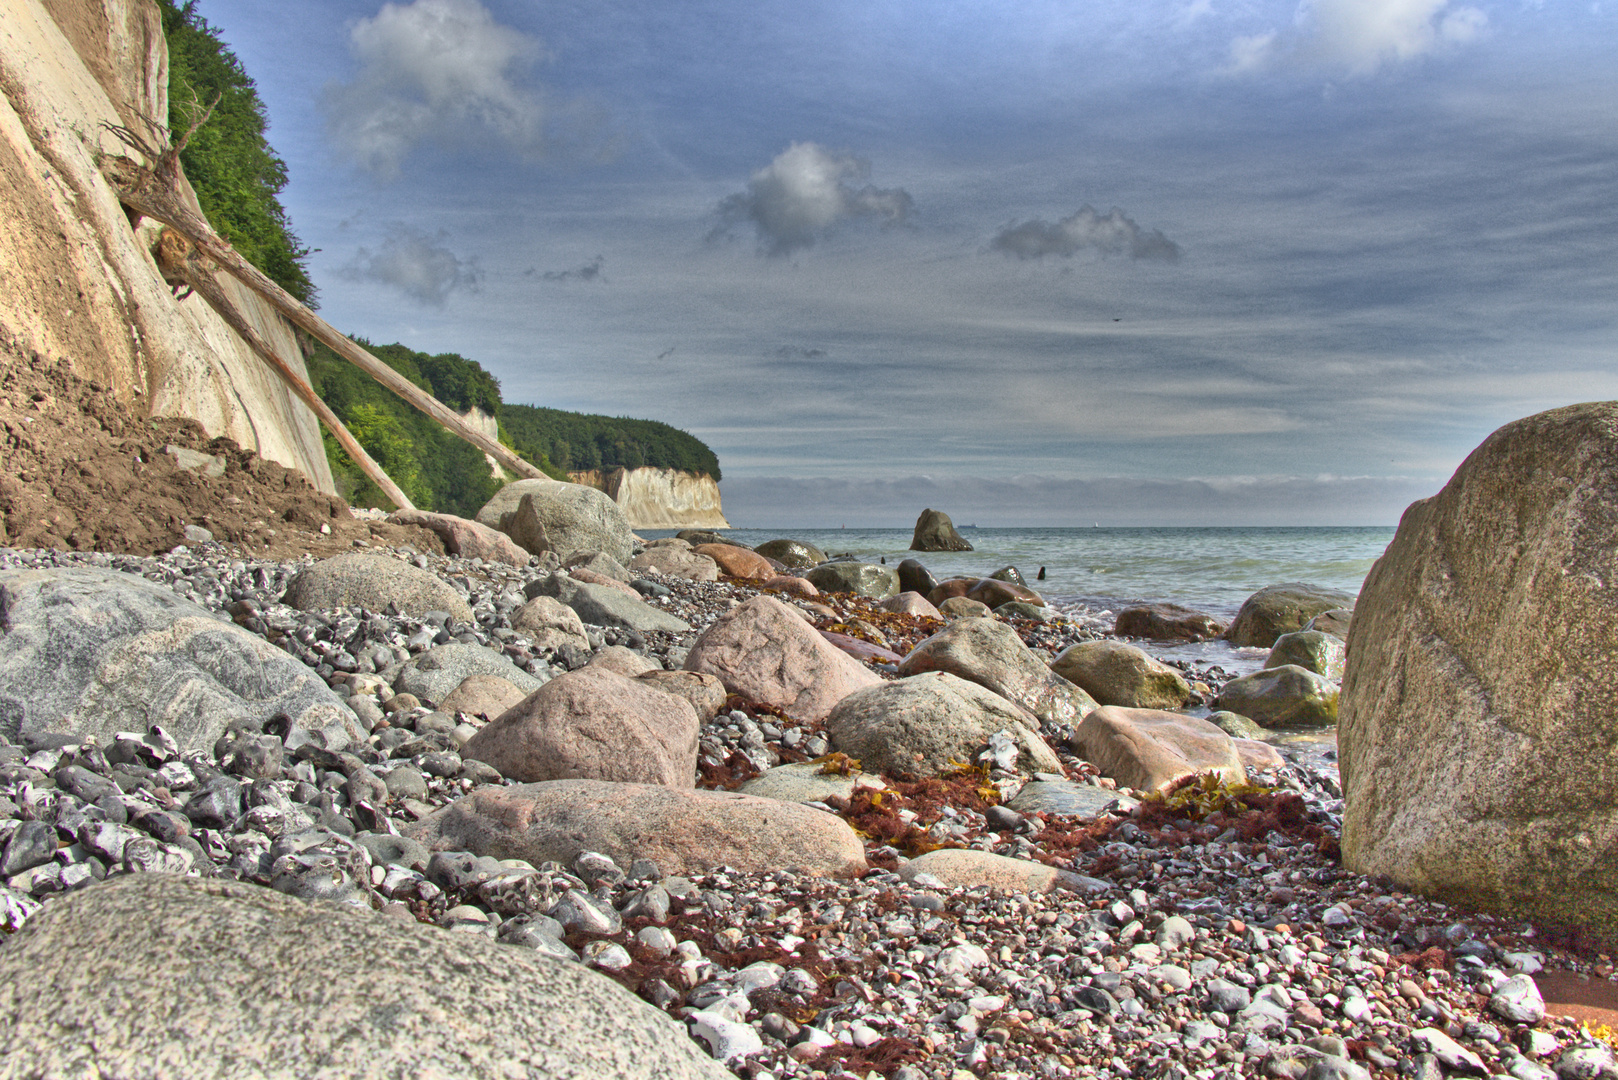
x=144 y=191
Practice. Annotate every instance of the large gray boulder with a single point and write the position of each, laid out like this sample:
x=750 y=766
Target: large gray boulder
x=683 y=831
x=861 y=579
x=675 y=558
x=1478 y=726
x=549 y=515
x=1313 y=650
x=593 y=724
x=988 y=652
x=1116 y=673
x=603 y=605
x=373 y=582
x=936 y=532
x=1284 y=696
x=434 y=674
x=928 y=724
x=92 y=652
x=1280 y=609
x=157 y=975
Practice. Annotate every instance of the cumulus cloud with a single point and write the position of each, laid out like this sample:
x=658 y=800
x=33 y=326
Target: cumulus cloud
x=590 y=271
x=417 y=265
x=433 y=70
x=1112 y=233
x=803 y=194
x=1361 y=35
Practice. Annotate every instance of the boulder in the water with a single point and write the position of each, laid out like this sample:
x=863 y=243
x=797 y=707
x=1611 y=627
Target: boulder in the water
x=935 y=532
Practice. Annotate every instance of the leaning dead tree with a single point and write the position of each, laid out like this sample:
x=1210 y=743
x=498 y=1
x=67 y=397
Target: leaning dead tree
x=152 y=190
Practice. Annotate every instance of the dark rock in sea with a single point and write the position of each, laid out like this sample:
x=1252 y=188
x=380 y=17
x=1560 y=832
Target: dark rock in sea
x=1011 y=574
x=707 y=536
x=935 y=532
x=916 y=578
x=1167 y=622
x=1281 y=609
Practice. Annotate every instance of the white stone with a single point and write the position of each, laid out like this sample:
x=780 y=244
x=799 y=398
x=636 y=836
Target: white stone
x=726 y=1039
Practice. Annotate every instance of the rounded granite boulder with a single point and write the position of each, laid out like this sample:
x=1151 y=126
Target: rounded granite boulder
x=373 y=582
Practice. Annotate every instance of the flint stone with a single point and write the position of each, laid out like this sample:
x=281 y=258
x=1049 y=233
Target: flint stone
x=1518 y=999
x=593 y=724
x=1114 y=673
x=703 y=692
x=676 y=560
x=737 y=562
x=989 y=653
x=104 y=982
x=32 y=843
x=87 y=653
x=600 y=605
x=373 y=582
x=1166 y=622
x=791 y=553
x=431 y=676
x=486 y=696
x=1150 y=750
x=1281 y=609
x=910 y=603
x=1481 y=662
x=764 y=651
x=965 y=868
x=1312 y=650
x=683 y=831
x=927 y=724
x=1286 y=696
x=549 y=515
x=936 y=532
x=861 y=579
x=466 y=538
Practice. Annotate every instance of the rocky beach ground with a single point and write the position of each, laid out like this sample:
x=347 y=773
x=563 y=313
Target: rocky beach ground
x=1209 y=933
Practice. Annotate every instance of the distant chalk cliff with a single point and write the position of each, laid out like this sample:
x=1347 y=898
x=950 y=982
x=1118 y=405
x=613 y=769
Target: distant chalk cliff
x=660 y=498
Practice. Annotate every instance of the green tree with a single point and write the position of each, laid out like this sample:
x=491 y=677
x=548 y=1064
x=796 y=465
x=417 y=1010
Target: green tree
x=236 y=174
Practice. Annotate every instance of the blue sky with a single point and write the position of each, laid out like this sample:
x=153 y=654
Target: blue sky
x=1155 y=262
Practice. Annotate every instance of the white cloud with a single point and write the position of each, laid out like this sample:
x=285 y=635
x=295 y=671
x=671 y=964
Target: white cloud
x=1361 y=35
x=804 y=193
x=1113 y=233
x=417 y=265
x=433 y=70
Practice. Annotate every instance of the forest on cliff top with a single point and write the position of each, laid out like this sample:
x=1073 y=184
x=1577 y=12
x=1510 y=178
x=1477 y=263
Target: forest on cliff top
x=238 y=178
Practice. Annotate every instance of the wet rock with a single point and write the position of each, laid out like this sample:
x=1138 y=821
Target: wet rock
x=916 y=578
x=935 y=532
x=989 y=653
x=1281 y=609
x=738 y=562
x=930 y=723
x=910 y=603
x=764 y=651
x=992 y=593
x=959 y=607
x=791 y=553
x=1312 y=650
x=1150 y=750
x=861 y=579
x=1114 y=673
x=683 y=831
x=1066 y=797
x=595 y=724
x=1166 y=622
x=1287 y=696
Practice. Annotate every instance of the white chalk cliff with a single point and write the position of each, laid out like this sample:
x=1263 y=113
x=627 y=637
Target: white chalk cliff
x=81 y=284
x=660 y=498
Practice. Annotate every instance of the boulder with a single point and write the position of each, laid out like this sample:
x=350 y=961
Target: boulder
x=1313 y=650
x=549 y=624
x=683 y=831
x=959 y=607
x=1286 y=696
x=916 y=578
x=704 y=693
x=736 y=561
x=466 y=538
x=1114 y=673
x=1235 y=725
x=793 y=586
x=861 y=649
x=675 y=560
x=1067 y=798
x=600 y=605
x=1022 y=609
x=485 y=696
x=1256 y=754
x=936 y=532
x=910 y=603
x=1280 y=609
x=950 y=588
x=592 y=577
x=549 y=515
x=806 y=782
x=707 y=536
x=989 y=653
x=992 y=592
x=930 y=724
x=88 y=653
x=1011 y=574
x=861 y=579
x=593 y=724
x=963 y=868
x=161 y=975
x=1478 y=724
x=373 y=582
x=766 y=652
x=792 y=553
x=432 y=675
x=1336 y=621
x=1166 y=622
x=599 y=563
x=1150 y=750
x=626 y=662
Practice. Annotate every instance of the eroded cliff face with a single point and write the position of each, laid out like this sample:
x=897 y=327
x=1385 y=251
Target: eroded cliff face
x=660 y=498
x=481 y=421
x=81 y=284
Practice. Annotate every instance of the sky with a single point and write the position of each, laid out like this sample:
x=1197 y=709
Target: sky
x=1145 y=262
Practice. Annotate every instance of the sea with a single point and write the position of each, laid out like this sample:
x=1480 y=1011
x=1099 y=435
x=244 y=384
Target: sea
x=1091 y=574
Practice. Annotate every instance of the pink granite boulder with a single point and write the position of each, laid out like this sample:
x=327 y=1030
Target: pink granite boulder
x=468 y=539
x=1150 y=750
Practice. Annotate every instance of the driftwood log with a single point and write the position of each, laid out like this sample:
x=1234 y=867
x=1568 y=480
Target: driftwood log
x=153 y=192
